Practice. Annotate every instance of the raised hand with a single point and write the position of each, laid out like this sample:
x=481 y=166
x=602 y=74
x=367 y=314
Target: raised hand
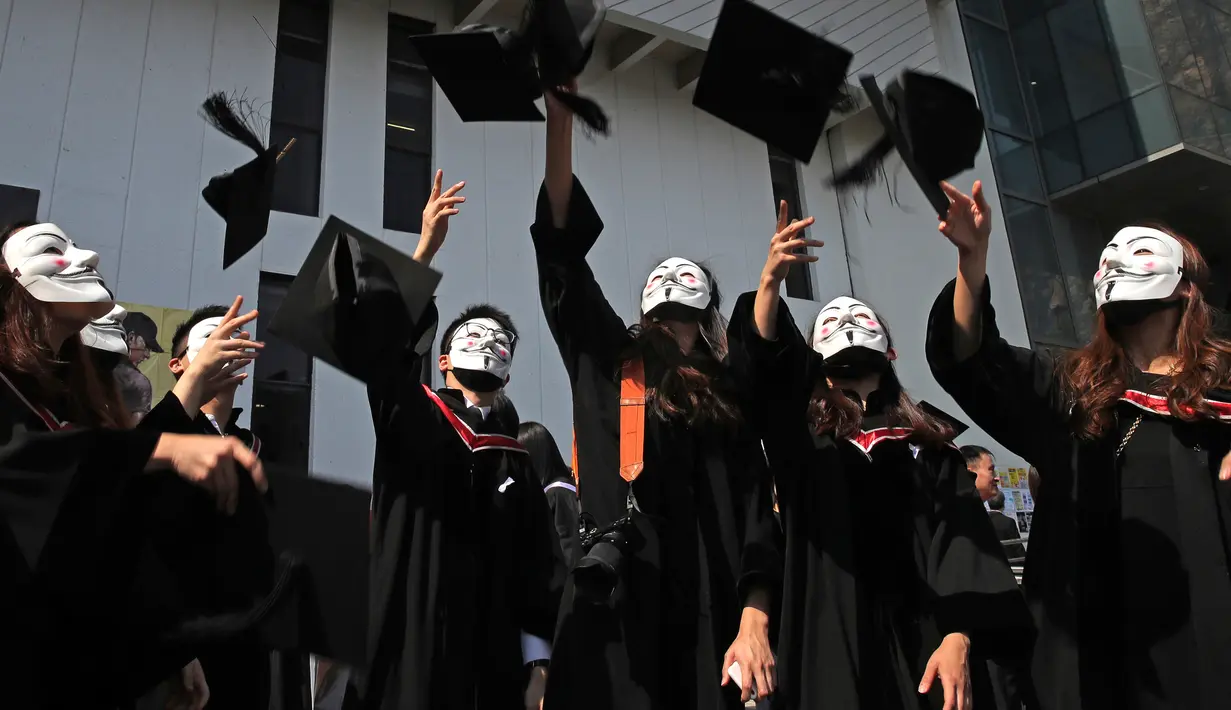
x=216 y=367
x=969 y=222
x=782 y=247
x=440 y=207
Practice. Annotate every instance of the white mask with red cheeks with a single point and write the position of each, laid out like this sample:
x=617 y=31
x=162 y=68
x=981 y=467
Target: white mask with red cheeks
x=848 y=323
x=677 y=281
x=1138 y=264
x=53 y=269
x=482 y=345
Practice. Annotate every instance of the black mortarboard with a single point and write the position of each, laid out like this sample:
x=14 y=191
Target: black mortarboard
x=486 y=72
x=322 y=526
x=244 y=196
x=934 y=124
x=771 y=78
x=959 y=426
x=350 y=284
x=565 y=32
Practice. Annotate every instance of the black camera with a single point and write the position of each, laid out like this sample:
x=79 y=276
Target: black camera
x=598 y=572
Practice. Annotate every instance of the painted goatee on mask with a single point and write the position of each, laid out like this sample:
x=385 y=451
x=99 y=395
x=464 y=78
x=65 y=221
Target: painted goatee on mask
x=481 y=354
x=107 y=333
x=1138 y=264
x=676 y=290
x=53 y=270
x=850 y=337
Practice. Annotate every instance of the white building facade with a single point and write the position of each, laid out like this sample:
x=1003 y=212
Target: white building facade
x=99 y=116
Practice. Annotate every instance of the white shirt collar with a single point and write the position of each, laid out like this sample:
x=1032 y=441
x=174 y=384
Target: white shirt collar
x=482 y=410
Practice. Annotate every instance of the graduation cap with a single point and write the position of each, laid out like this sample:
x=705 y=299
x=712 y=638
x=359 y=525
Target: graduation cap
x=959 y=426
x=323 y=526
x=771 y=78
x=244 y=196
x=934 y=124
x=350 y=284
x=486 y=72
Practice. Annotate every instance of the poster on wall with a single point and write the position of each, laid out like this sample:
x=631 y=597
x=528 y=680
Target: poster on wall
x=146 y=377
x=1018 y=504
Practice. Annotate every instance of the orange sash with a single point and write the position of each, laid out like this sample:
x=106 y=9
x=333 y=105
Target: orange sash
x=632 y=422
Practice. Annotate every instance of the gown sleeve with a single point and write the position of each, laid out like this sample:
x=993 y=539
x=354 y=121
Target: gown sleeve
x=974 y=589
x=589 y=334
x=587 y=330
x=543 y=571
x=780 y=371
x=565 y=511
x=1012 y=393
x=761 y=551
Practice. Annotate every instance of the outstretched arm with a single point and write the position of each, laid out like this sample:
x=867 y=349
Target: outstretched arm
x=558 y=174
x=782 y=253
x=968 y=225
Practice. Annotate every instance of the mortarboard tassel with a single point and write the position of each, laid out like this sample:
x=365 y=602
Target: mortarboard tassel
x=865 y=170
x=590 y=113
x=233 y=117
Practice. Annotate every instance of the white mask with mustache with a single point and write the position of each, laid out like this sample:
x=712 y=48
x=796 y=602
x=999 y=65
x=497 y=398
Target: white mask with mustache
x=1138 y=264
x=199 y=333
x=482 y=345
x=847 y=323
x=107 y=333
x=53 y=270
x=679 y=281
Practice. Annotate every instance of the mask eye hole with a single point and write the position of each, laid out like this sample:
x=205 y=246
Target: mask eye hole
x=1143 y=252
x=863 y=316
x=829 y=320
x=54 y=250
x=655 y=279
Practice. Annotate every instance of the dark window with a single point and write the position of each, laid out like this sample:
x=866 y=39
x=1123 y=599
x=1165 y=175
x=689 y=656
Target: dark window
x=282 y=385
x=408 y=127
x=17 y=204
x=991 y=61
x=784 y=174
x=298 y=106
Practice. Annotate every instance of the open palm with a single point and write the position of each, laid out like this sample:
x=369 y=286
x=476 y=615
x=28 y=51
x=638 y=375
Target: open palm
x=969 y=221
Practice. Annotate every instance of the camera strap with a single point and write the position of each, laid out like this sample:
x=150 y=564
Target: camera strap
x=632 y=425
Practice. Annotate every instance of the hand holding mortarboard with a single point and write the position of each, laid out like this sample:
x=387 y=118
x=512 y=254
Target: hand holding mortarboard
x=243 y=197
x=440 y=207
x=968 y=223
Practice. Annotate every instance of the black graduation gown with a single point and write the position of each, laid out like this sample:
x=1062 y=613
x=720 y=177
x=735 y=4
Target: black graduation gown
x=1127 y=567
x=565 y=511
x=70 y=543
x=237 y=667
x=464 y=557
x=705 y=512
x=888 y=547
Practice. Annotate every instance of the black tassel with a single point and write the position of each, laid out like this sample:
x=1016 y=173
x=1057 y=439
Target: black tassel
x=865 y=170
x=590 y=113
x=234 y=117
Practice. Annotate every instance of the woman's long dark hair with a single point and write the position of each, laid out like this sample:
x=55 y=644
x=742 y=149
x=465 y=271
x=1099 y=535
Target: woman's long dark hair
x=831 y=411
x=69 y=376
x=1095 y=376
x=544 y=454
x=692 y=386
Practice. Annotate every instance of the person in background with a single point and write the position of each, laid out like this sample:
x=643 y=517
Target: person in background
x=1006 y=527
x=558 y=484
x=141 y=335
x=982 y=464
x=1032 y=480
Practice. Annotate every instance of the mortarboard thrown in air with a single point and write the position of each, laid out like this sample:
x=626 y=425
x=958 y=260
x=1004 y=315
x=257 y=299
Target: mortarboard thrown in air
x=491 y=73
x=771 y=78
x=934 y=124
x=351 y=284
x=959 y=426
x=244 y=196
x=322 y=526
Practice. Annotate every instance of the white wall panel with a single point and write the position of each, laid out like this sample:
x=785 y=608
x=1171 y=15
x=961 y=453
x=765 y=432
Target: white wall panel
x=39 y=48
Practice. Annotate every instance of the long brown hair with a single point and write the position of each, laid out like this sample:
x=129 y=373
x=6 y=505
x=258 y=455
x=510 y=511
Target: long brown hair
x=832 y=412
x=1095 y=376
x=693 y=386
x=45 y=376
